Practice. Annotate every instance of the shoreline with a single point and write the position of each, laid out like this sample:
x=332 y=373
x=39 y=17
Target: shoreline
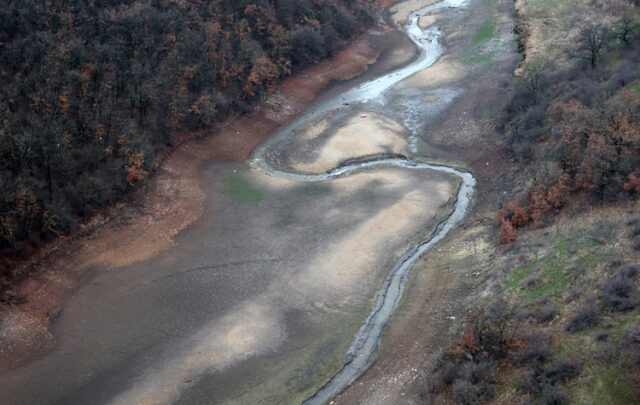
x=171 y=199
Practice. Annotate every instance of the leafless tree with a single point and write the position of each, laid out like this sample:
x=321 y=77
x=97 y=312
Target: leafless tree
x=625 y=28
x=590 y=43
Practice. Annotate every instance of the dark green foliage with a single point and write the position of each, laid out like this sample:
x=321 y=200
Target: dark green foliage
x=93 y=91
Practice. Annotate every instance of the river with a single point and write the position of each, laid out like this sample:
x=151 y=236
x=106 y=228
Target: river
x=365 y=343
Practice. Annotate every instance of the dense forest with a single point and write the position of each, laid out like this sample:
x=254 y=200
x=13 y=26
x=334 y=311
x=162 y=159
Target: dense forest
x=93 y=91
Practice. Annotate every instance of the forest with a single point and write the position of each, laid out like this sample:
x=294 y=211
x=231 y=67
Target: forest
x=576 y=129
x=93 y=92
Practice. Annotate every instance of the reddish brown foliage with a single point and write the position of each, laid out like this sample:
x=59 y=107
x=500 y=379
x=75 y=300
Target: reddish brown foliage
x=486 y=336
x=634 y=182
x=539 y=204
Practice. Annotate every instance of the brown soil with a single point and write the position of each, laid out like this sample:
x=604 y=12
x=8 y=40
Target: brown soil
x=170 y=201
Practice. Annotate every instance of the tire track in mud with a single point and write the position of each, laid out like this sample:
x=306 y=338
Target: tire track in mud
x=365 y=343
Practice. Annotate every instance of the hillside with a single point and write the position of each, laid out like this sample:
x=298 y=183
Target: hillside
x=95 y=92
x=559 y=306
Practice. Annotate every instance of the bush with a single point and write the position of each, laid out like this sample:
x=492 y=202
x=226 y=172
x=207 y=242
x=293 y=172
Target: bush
x=573 y=294
x=474 y=383
x=553 y=395
x=443 y=375
x=631 y=341
x=531 y=282
x=524 y=313
x=585 y=317
x=467 y=392
x=562 y=369
x=546 y=313
x=531 y=382
x=535 y=349
x=629 y=271
x=619 y=293
x=478 y=373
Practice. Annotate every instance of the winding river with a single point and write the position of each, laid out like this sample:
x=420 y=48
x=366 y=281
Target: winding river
x=365 y=343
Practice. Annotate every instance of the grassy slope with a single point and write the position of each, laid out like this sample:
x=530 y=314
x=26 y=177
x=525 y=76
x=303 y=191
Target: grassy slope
x=584 y=247
x=581 y=250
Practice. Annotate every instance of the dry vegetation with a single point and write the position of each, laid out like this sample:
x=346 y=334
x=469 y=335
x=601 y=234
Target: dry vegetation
x=561 y=320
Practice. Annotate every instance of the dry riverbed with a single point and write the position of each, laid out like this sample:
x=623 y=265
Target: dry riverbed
x=445 y=285
x=230 y=285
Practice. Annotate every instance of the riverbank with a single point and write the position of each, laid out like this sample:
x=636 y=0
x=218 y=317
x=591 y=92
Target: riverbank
x=263 y=272
x=445 y=284
x=173 y=198
x=339 y=242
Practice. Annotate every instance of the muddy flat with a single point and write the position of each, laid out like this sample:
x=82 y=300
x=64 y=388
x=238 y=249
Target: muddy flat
x=273 y=269
x=258 y=300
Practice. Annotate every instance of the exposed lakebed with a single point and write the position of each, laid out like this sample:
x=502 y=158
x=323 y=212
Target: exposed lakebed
x=260 y=300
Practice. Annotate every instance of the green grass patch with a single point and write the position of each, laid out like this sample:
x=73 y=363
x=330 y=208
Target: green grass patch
x=621 y=325
x=239 y=188
x=636 y=90
x=476 y=59
x=513 y=282
x=553 y=287
x=486 y=30
x=554 y=267
x=612 y=386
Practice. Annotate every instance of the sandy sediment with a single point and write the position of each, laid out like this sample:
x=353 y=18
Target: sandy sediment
x=400 y=12
x=360 y=135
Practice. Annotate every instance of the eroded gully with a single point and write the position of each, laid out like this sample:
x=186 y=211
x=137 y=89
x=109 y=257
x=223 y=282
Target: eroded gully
x=365 y=342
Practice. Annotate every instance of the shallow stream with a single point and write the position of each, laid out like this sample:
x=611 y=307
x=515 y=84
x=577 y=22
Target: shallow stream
x=365 y=343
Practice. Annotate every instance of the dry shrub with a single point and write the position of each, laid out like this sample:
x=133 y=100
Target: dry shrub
x=619 y=293
x=546 y=313
x=534 y=350
x=585 y=317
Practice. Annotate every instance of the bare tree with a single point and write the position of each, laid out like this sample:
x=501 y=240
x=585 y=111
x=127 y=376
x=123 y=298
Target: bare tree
x=590 y=43
x=625 y=29
x=533 y=78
